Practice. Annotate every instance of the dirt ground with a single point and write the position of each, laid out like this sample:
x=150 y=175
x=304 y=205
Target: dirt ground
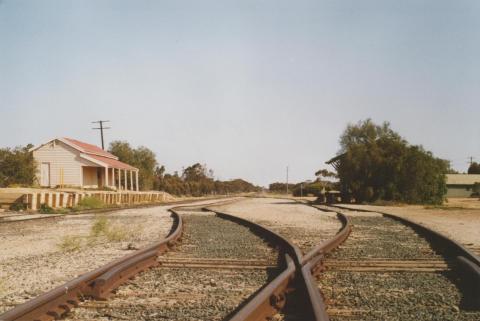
x=38 y=255
x=458 y=219
x=304 y=225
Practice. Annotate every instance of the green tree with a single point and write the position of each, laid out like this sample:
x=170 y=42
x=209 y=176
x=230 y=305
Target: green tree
x=474 y=168
x=142 y=158
x=17 y=166
x=280 y=187
x=377 y=163
x=325 y=173
x=195 y=173
x=197 y=180
x=123 y=151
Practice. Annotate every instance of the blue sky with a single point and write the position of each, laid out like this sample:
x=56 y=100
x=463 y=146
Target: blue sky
x=246 y=87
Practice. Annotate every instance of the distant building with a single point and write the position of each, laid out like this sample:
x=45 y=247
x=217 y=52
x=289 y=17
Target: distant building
x=461 y=185
x=72 y=163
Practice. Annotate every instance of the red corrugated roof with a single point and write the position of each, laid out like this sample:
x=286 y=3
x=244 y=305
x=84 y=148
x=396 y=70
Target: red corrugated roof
x=89 y=148
x=112 y=162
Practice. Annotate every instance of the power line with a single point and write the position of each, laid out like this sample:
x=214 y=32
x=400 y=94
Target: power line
x=101 y=128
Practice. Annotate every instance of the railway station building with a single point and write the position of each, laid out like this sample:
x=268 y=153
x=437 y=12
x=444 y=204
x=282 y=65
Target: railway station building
x=66 y=162
x=461 y=185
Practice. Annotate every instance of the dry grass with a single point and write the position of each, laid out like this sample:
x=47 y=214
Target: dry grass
x=2 y=287
x=89 y=203
x=446 y=208
x=102 y=227
x=118 y=233
x=70 y=243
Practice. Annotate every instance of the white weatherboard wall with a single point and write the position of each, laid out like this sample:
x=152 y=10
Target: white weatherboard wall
x=61 y=158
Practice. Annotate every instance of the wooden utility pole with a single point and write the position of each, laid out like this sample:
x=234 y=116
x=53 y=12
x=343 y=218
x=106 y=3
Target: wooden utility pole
x=101 y=128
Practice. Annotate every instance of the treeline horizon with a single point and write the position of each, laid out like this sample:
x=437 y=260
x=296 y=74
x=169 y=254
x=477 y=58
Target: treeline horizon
x=18 y=169
x=194 y=180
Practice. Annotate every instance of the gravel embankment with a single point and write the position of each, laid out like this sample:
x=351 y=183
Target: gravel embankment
x=186 y=293
x=303 y=225
x=390 y=295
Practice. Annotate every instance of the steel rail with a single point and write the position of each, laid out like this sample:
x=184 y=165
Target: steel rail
x=312 y=264
x=272 y=298
x=333 y=243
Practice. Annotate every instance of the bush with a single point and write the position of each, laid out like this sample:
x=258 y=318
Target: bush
x=89 y=203
x=113 y=232
x=70 y=243
x=45 y=209
x=100 y=226
x=117 y=233
x=18 y=206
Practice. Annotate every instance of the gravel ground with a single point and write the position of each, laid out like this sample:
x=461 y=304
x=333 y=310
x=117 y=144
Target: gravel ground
x=303 y=225
x=39 y=255
x=191 y=294
x=211 y=237
x=176 y=294
x=386 y=295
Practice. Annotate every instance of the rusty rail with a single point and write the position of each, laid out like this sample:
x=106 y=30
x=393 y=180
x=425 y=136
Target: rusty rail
x=297 y=275
x=271 y=298
x=312 y=265
x=331 y=244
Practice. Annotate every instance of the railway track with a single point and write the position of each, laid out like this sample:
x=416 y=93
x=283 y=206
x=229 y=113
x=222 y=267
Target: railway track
x=230 y=268
x=217 y=266
x=28 y=217
x=388 y=270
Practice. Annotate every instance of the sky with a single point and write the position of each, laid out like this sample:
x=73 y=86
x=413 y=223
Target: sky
x=246 y=87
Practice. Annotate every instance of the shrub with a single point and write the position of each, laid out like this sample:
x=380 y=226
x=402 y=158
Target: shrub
x=62 y=210
x=117 y=233
x=100 y=226
x=70 y=243
x=113 y=232
x=45 y=209
x=89 y=203
x=18 y=206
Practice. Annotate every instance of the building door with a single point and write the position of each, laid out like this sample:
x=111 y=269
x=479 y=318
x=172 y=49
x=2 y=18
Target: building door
x=45 y=174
